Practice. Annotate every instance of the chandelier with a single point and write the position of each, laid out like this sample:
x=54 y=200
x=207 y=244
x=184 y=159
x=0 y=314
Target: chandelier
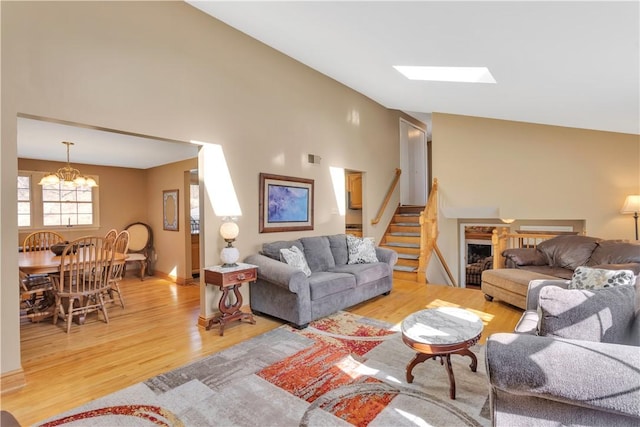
x=68 y=175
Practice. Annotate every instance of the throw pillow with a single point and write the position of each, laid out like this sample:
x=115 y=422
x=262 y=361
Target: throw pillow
x=295 y=258
x=597 y=278
x=602 y=315
x=361 y=251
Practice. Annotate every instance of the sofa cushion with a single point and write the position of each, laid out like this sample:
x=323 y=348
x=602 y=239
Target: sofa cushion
x=295 y=258
x=602 y=315
x=365 y=273
x=324 y=283
x=361 y=250
x=272 y=250
x=557 y=272
x=525 y=256
x=338 y=245
x=318 y=253
x=568 y=251
x=596 y=278
x=615 y=252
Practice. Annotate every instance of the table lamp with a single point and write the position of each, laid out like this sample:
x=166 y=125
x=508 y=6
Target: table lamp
x=632 y=206
x=229 y=231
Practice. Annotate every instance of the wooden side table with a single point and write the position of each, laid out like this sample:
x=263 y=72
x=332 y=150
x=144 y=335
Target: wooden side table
x=230 y=279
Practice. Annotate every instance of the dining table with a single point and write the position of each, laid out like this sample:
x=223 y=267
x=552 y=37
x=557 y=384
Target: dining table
x=47 y=262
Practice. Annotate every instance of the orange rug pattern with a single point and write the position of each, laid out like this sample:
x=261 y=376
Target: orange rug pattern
x=333 y=362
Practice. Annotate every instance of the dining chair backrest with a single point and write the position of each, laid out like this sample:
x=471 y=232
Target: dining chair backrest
x=111 y=234
x=140 y=237
x=41 y=240
x=121 y=246
x=85 y=265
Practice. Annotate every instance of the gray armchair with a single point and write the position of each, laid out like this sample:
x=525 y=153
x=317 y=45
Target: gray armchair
x=556 y=380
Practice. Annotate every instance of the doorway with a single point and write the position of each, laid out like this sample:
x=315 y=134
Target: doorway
x=353 y=202
x=414 y=164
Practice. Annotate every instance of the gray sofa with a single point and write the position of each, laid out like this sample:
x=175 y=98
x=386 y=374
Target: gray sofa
x=287 y=293
x=555 y=380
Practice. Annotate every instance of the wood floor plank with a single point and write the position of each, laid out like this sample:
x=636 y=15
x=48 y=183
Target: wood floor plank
x=158 y=332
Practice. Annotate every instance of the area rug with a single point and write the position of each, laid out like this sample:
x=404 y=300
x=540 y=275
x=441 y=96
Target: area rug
x=342 y=370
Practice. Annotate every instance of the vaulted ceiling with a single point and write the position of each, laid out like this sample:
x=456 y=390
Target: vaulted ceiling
x=574 y=63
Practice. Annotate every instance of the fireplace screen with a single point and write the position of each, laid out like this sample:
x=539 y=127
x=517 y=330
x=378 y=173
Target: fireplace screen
x=478 y=251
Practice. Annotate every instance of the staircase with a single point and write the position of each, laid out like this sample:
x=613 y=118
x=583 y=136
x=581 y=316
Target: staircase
x=403 y=236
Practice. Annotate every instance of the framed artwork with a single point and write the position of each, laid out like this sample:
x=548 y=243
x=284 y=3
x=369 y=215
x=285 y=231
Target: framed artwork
x=286 y=203
x=170 y=210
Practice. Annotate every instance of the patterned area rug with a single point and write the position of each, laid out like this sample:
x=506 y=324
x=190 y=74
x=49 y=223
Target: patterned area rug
x=343 y=370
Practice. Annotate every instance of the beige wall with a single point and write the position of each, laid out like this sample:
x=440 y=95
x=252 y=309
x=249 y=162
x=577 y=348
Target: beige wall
x=170 y=246
x=531 y=171
x=171 y=71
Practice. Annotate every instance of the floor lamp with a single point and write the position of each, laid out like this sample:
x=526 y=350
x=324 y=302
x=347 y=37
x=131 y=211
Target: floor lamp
x=632 y=206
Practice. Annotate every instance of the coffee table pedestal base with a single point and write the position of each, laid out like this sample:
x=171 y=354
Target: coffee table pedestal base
x=445 y=359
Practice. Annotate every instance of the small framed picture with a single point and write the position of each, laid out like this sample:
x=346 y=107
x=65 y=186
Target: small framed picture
x=286 y=203
x=170 y=210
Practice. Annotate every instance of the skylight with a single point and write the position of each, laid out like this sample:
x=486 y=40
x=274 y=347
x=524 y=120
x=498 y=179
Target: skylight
x=447 y=74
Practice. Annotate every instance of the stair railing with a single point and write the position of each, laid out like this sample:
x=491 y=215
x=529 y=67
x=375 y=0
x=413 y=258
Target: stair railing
x=428 y=231
x=385 y=202
x=429 y=236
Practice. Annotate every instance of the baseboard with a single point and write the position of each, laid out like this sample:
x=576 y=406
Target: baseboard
x=13 y=380
x=177 y=280
x=203 y=321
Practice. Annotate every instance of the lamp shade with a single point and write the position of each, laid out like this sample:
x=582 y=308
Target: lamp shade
x=229 y=230
x=631 y=204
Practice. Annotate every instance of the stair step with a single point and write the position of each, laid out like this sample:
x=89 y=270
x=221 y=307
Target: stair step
x=408 y=214
x=408 y=256
x=403 y=245
x=405 y=224
x=405 y=234
x=404 y=268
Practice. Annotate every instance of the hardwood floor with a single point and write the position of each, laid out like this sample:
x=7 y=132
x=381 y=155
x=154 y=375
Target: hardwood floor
x=158 y=332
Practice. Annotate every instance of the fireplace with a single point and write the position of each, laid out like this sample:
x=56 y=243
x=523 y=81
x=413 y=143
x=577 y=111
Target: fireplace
x=475 y=247
x=477 y=250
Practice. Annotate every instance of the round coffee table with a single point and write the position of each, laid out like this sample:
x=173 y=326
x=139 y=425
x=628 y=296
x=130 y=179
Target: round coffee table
x=439 y=333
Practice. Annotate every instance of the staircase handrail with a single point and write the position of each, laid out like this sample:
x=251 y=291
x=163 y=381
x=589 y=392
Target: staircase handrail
x=429 y=236
x=387 y=198
x=428 y=231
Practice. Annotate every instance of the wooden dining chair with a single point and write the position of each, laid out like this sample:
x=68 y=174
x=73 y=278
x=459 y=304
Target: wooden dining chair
x=140 y=246
x=41 y=240
x=121 y=246
x=36 y=297
x=85 y=272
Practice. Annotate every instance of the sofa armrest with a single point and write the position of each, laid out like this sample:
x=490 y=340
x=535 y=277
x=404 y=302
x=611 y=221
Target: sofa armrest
x=387 y=255
x=582 y=373
x=278 y=273
x=533 y=291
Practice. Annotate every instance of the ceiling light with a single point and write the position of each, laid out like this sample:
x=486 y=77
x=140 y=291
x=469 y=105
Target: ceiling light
x=447 y=74
x=68 y=175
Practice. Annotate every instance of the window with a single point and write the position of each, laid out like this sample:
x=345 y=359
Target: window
x=64 y=204
x=24 y=201
x=54 y=205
